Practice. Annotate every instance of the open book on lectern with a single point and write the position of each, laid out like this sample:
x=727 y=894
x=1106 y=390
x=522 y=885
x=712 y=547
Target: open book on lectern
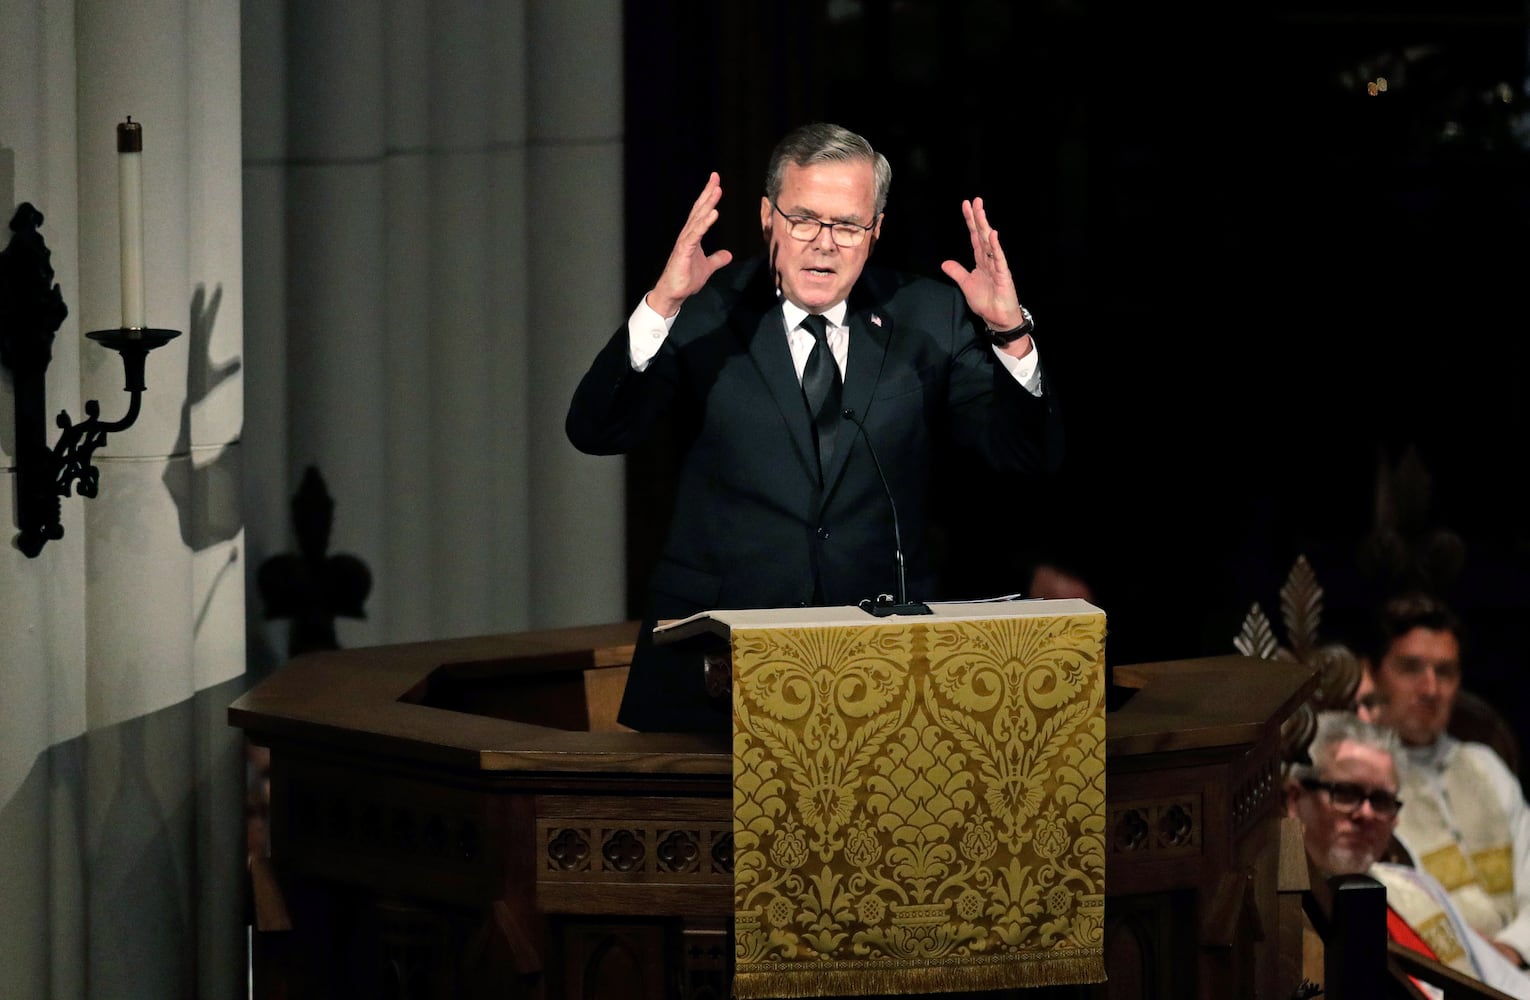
x=720 y=624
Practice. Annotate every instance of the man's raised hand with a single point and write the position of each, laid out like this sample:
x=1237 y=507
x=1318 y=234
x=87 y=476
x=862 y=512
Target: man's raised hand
x=988 y=287
x=689 y=266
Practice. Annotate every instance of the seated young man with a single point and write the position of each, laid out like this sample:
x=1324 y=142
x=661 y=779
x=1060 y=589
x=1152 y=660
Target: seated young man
x=1467 y=822
x=1346 y=800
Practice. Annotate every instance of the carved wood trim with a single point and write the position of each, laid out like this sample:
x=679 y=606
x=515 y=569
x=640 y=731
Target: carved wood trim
x=1155 y=828
x=1255 y=795
x=617 y=850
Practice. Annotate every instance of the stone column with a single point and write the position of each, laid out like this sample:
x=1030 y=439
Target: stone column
x=42 y=600
x=337 y=234
x=575 y=218
x=120 y=825
x=266 y=492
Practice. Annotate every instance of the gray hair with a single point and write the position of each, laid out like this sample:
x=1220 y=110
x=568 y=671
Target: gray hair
x=821 y=142
x=1336 y=727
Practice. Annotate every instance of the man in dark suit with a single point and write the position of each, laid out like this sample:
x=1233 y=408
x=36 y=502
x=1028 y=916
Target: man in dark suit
x=789 y=376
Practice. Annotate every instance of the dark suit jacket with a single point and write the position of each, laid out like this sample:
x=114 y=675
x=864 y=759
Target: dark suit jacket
x=753 y=527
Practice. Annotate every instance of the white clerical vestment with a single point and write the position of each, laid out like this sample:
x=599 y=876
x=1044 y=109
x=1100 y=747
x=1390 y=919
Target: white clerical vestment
x=1464 y=820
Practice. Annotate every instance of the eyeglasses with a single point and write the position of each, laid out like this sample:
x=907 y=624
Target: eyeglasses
x=1347 y=796
x=806 y=228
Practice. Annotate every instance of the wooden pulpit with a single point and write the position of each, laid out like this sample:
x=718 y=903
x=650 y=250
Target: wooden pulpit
x=464 y=818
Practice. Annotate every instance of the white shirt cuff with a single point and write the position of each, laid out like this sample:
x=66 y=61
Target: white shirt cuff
x=1026 y=370
x=646 y=331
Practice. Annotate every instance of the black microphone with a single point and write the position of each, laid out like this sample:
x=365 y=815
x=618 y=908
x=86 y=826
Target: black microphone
x=884 y=605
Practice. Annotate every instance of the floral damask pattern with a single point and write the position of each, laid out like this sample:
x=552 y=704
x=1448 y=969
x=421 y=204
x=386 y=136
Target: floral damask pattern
x=919 y=805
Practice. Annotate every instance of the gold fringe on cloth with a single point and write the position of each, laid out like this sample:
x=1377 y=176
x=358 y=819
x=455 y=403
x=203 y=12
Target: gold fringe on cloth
x=1006 y=973
x=919 y=805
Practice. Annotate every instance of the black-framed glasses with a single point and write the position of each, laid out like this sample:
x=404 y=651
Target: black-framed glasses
x=848 y=235
x=1347 y=796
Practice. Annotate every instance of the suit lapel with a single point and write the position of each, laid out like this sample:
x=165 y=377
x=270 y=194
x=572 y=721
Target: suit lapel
x=773 y=357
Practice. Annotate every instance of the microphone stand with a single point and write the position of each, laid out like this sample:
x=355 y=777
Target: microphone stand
x=885 y=605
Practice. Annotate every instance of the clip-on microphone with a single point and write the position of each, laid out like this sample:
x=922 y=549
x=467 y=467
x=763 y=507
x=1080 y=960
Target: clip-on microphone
x=885 y=605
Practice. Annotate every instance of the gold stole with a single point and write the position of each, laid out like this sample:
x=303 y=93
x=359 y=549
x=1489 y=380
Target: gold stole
x=1478 y=868
x=1425 y=915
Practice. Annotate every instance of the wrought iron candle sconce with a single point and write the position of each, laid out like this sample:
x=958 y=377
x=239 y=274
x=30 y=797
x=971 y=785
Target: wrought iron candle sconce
x=31 y=311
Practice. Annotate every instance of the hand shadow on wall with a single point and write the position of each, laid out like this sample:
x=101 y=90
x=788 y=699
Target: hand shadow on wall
x=211 y=513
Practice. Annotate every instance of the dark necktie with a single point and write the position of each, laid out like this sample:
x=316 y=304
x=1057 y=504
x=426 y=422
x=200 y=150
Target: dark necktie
x=821 y=387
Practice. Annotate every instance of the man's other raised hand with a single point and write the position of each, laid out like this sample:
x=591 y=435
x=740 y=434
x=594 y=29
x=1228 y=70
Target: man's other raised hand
x=689 y=266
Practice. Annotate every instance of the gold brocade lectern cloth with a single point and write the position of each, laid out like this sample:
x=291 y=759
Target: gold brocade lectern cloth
x=919 y=805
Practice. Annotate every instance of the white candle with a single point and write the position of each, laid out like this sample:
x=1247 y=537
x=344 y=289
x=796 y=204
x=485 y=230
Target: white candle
x=130 y=205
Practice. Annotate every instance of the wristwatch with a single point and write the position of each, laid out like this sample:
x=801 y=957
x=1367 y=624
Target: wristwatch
x=1007 y=337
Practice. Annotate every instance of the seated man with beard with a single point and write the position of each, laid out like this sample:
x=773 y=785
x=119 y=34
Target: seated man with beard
x=1347 y=802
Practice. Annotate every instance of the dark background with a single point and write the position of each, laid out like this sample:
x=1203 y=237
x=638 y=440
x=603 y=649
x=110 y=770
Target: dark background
x=1258 y=286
